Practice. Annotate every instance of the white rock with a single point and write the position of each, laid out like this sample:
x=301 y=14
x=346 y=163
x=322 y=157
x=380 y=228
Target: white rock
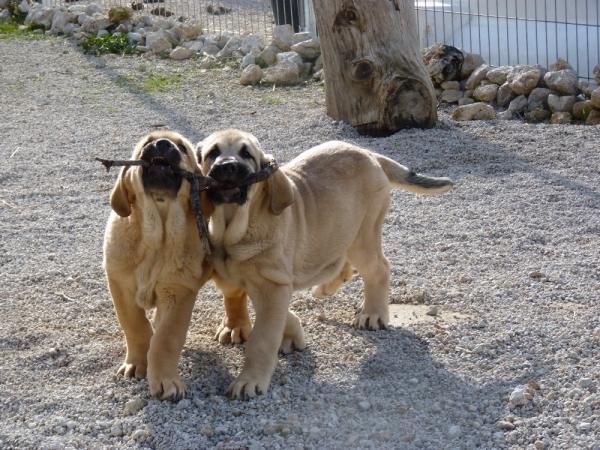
x=454 y=432
x=23 y=7
x=563 y=103
x=251 y=75
x=283 y=74
x=291 y=56
x=364 y=405
x=248 y=60
x=283 y=36
x=183 y=404
x=563 y=81
x=474 y=111
x=253 y=44
x=138 y=434
x=523 y=79
x=178 y=54
x=584 y=426
x=134 y=38
x=301 y=37
x=517 y=397
x=310 y=49
x=135 y=405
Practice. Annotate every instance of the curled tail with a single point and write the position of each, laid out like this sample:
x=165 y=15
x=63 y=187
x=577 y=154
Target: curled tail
x=406 y=179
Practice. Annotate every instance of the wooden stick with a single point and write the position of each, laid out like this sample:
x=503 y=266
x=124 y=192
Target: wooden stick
x=197 y=206
x=196 y=181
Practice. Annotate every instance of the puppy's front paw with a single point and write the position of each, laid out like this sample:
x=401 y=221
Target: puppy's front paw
x=374 y=320
x=130 y=370
x=166 y=388
x=232 y=331
x=246 y=386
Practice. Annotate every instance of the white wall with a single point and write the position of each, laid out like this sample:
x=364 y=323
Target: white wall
x=516 y=31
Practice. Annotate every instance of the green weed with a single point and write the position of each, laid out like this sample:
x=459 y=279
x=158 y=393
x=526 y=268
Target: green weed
x=270 y=100
x=107 y=43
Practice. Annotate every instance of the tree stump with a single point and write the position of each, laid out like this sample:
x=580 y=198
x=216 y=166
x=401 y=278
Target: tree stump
x=375 y=78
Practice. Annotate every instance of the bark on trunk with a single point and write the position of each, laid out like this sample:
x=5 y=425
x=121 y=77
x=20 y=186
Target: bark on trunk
x=375 y=78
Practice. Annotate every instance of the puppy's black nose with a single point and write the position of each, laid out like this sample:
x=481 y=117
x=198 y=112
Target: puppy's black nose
x=228 y=169
x=163 y=145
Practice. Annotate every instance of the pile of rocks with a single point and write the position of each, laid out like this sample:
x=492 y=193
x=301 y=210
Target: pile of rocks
x=286 y=58
x=533 y=93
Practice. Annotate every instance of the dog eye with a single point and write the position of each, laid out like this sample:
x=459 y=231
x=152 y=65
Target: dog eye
x=182 y=149
x=244 y=153
x=213 y=153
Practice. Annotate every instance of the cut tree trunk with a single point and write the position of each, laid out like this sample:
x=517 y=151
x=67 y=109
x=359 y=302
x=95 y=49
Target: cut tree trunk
x=375 y=78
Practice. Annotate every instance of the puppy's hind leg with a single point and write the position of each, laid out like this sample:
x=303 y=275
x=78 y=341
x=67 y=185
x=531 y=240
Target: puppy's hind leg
x=366 y=254
x=236 y=325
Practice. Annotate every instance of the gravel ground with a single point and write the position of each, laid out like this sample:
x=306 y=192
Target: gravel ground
x=509 y=257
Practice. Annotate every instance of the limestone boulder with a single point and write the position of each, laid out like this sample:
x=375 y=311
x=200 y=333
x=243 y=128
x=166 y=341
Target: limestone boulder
x=478 y=75
x=474 y=111
x=251 y=75
x=523 y=79
x=291 y=56
x=561 y=118
x=471 y=62
x=587 y=87
x=486 y=93
x=268 y=56
x=563 y=81
x=505 y=95
x=582 y=109
x=310 y=49
x=451 y=96
x=541 y=95
x=536 y=112
x=498 y=75
x=593 y=118
x=595 y=98
x=283 y=74
x=561 y=103
x=283 y=37
x=560 y=64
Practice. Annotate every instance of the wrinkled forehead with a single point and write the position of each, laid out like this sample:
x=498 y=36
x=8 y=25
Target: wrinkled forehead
x=230 y=142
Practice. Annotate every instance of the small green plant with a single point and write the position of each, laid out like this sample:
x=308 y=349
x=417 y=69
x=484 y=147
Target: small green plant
x=16 y=29
x=107 y=43
x=270 y=100
x=159 y=83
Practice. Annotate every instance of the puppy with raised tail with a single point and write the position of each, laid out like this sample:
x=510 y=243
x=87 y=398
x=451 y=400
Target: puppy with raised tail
x=313 y=223
x=153 y=258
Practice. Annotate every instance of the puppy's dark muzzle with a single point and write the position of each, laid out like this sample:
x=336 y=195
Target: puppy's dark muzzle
x=164 y=156
x=229 y=173
x=229 y=170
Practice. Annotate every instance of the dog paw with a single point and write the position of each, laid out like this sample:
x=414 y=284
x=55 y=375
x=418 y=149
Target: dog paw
x=131 y=370
x=375 y=321
x=291 y=343
x=320 y=291
x=245 y=387
x=234 y=333
x=167 y=388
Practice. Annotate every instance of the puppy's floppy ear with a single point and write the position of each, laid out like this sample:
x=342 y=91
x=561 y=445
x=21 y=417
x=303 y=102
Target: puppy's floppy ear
x=121 y=196
x=279 y=187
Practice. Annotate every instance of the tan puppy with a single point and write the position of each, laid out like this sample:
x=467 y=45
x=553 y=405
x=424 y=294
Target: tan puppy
x=153 y=258
x=309 y=224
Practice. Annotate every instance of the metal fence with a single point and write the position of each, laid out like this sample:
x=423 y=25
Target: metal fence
x=508 y=32
x=503 y=32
